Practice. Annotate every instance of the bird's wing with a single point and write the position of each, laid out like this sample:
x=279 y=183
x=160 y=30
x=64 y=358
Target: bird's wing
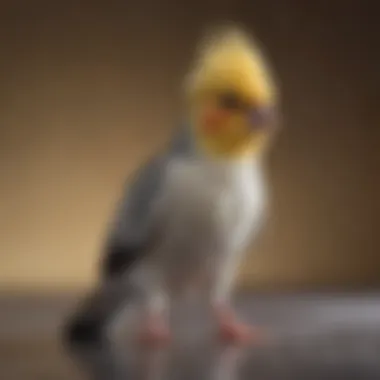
x=134 y=225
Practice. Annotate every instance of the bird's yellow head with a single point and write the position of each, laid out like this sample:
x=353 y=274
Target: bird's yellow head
x=232 y=97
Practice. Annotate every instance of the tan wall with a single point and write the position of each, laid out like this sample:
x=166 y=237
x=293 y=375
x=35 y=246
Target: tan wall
x=88 y=92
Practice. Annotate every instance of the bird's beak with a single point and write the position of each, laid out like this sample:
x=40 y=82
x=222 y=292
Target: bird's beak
x=261 y=117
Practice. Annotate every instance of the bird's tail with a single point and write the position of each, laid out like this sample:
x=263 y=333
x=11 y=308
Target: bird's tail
x=90 y=325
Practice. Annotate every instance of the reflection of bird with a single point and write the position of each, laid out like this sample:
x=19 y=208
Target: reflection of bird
x=198 y=204
x=227 y=364
x=153 y=364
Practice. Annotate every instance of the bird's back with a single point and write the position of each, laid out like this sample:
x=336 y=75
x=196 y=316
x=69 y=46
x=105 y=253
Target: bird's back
x=130 y=233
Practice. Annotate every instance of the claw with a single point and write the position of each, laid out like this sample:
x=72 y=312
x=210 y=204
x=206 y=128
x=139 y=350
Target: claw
x=154 y=332
x=232 y=331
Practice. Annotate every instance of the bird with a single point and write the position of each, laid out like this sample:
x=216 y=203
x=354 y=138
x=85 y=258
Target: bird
x=193 y=209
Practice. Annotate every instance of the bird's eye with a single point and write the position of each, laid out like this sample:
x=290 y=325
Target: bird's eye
x=230 y=101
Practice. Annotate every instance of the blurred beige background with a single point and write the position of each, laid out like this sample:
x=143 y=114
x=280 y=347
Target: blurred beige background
x=89 y=91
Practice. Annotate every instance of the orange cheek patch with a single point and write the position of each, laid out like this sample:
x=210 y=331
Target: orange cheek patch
x=213 y=118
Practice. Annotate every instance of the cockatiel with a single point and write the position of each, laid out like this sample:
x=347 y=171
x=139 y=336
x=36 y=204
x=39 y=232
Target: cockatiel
x=193 y=209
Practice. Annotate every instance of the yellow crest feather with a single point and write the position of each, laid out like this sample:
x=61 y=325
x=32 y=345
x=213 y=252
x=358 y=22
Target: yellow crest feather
x=229 y=60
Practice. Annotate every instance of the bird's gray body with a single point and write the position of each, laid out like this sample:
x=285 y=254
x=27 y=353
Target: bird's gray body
x=131 y=224
x=182 y=214
x=208 y=212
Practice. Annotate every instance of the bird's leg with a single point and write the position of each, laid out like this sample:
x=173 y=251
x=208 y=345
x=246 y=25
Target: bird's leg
x=230 y=328
x=154 y=328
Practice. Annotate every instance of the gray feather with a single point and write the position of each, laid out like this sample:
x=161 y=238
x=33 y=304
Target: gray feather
x=132 y=224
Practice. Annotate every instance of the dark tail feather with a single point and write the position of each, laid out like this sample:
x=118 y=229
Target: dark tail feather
x=88 y=326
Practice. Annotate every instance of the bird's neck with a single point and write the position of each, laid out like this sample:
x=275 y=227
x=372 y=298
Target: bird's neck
x=228 y=171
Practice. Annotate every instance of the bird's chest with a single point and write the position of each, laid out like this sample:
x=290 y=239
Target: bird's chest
x=211 y=205
x=210 y=212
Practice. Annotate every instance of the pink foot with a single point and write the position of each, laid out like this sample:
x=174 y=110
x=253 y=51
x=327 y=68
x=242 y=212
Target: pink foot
x=154 y=332
x=232 y=331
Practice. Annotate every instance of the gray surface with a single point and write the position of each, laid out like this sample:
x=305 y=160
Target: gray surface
x=313 y=337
